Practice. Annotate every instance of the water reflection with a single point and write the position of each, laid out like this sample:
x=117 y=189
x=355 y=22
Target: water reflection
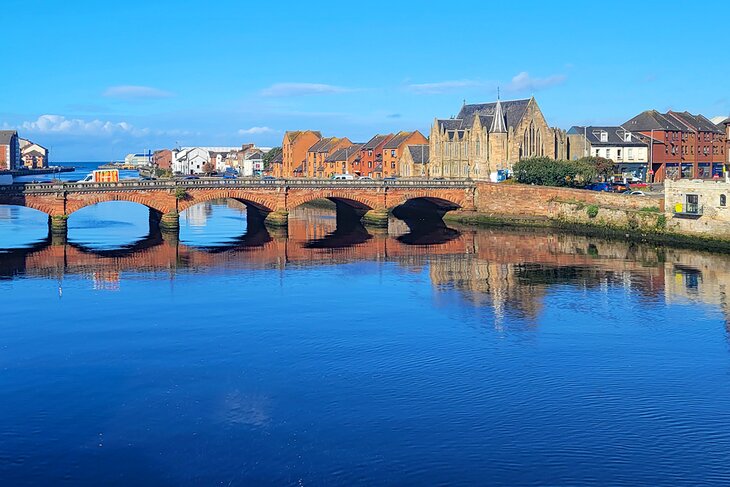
x=525 y=357
x=509 y=271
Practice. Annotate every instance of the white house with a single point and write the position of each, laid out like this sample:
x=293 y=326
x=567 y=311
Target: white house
x=190 y=160
x=253 y=164
x=627 y=150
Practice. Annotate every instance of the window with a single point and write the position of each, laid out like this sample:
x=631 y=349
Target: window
x=693 y=205
x=392 y=165
x=392 y=153
x=631 y=154
x=370 y=152
x=618 y=153
x=608 y=153
x=370 y=163
x=723 y=200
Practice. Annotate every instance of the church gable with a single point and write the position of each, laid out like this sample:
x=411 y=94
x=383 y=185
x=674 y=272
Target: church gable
x=514 y=111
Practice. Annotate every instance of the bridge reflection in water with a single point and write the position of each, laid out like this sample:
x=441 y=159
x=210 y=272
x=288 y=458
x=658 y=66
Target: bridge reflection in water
x=509 y=272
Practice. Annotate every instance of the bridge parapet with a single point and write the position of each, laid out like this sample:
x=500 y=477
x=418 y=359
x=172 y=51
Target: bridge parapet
x=171 y=184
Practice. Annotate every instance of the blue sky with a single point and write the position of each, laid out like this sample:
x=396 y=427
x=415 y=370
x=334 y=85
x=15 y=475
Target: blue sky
x=96 y=80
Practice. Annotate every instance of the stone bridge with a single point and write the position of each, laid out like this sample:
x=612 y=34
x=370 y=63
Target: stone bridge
x=269 y=199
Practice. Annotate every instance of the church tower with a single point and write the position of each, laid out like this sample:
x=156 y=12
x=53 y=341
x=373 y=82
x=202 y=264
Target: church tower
x=498 y=154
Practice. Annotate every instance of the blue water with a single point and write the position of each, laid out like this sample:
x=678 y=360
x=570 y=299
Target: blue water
x=340 y=357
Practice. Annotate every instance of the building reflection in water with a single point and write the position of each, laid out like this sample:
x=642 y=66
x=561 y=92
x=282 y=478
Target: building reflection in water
x=507 y=271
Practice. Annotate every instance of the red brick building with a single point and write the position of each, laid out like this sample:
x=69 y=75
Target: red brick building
x=294 y=149
x=342 y=161
x=318 y=153
x=682 y=145
x=162 y=159
x=393 y=150
x=370 y=162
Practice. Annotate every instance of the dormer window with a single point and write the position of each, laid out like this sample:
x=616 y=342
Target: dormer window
x=627 y=136
x=603 y=136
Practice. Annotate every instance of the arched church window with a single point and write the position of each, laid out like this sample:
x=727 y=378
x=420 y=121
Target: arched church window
x=723 y=200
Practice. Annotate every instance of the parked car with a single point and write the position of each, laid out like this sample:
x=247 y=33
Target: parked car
x=366 y=177
x=635 y=193
x=389 y=178
x=192 y=176
x=229 y=175
x=343 y=176
x=607 y=187
x=268 y=178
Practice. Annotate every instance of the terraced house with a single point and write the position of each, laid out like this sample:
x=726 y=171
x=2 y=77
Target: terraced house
x=294 y=149
x=314 y=166
x=342 y=161
x=370 y=162
x=489 y=137
x=682 y=145
x=394 y=149
x=629 y=151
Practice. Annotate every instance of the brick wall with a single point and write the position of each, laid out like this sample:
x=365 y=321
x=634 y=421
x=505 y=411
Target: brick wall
x=543 y=201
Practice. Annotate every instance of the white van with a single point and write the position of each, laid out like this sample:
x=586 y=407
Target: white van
x=343 y=176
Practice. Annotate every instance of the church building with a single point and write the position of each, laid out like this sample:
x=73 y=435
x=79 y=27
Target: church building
x=486 y=139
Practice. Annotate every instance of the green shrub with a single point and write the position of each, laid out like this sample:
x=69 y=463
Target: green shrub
x=180 y=193
x=543 y=171
x=592 y=211
x=650 y=209
x=661 y=222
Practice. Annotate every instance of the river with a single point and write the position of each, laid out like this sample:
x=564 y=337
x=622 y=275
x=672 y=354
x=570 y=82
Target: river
x=334 y=354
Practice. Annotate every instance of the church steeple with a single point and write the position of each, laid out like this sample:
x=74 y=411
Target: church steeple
x=498 y=122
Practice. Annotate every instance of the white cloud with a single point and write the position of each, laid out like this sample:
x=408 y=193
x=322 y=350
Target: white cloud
x=256 y=131
x=442 y=86
x=520 y=82
x=302 y=89
x=131 y=92
x=58 y=124
x=524 y=82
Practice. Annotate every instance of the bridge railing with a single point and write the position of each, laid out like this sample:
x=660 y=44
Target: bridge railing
x=242 y=183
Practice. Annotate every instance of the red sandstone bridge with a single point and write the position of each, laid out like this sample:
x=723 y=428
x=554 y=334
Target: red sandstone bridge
x=271 y=199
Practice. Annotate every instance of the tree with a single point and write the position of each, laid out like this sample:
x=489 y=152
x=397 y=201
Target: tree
x=269 y=156
x=604 y=167
x=208 y=167
x=543 y=171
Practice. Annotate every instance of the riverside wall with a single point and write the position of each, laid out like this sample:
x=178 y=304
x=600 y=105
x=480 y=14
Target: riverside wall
x=633 y=217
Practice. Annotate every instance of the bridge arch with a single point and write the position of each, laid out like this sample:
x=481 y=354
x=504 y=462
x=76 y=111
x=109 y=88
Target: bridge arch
x=352 y=198
x=261 y=201
x=32 y=205
x=443 y=200
x=75 y=202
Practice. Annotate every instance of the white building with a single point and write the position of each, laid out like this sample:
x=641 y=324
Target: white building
x=190 y=160
x=138 y=159
x=253 y=164
x=627 y=150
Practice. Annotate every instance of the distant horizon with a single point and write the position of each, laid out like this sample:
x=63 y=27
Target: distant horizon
x=142 y=88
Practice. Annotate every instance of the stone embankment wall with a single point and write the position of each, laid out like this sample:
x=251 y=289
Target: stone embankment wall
x=712 y=213
x=518 y=204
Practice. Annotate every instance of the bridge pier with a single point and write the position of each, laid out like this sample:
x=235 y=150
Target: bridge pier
x=376 y=218
x=170 y=222
x=278 y=218
x=58 y=225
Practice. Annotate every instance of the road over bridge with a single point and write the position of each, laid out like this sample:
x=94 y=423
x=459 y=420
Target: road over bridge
x=270 y=200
